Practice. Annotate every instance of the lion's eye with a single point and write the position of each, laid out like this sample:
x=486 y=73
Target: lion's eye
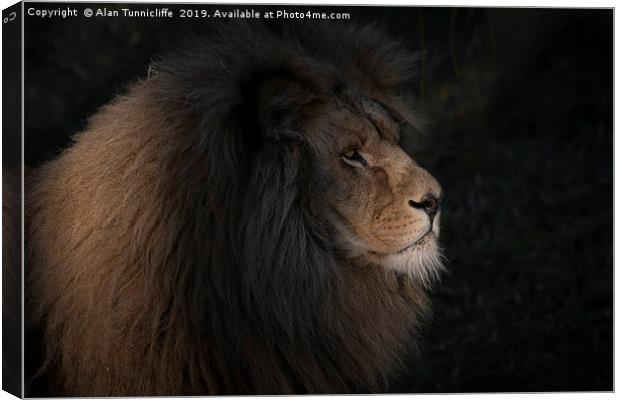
x=354 y=159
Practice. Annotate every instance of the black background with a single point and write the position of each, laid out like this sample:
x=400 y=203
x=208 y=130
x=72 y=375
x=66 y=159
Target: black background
x=519 y=104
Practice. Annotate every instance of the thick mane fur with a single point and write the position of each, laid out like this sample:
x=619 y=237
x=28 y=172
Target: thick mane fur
x=178 y=246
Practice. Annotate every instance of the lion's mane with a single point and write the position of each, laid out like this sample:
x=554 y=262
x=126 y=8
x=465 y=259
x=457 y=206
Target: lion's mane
x=174 y=248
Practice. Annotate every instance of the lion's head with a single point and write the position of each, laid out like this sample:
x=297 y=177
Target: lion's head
x=383 y=206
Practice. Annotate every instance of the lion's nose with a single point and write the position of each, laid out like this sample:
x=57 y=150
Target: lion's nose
x=429 y=203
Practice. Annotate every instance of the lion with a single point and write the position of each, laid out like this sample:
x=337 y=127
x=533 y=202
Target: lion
x=242 y=221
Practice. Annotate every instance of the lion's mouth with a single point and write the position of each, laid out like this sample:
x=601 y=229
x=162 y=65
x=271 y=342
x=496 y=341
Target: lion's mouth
x=419 y=242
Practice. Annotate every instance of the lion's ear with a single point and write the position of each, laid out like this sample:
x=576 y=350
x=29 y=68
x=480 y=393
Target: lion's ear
x=279 y=100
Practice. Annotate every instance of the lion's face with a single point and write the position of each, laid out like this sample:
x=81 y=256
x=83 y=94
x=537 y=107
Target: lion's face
x=384 y=207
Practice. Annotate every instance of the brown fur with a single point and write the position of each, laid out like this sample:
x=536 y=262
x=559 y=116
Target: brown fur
x=184 y=245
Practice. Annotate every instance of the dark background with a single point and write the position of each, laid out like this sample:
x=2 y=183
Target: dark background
x=519 y=104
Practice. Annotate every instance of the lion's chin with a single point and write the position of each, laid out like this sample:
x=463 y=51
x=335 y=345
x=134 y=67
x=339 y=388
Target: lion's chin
x=422 y=261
